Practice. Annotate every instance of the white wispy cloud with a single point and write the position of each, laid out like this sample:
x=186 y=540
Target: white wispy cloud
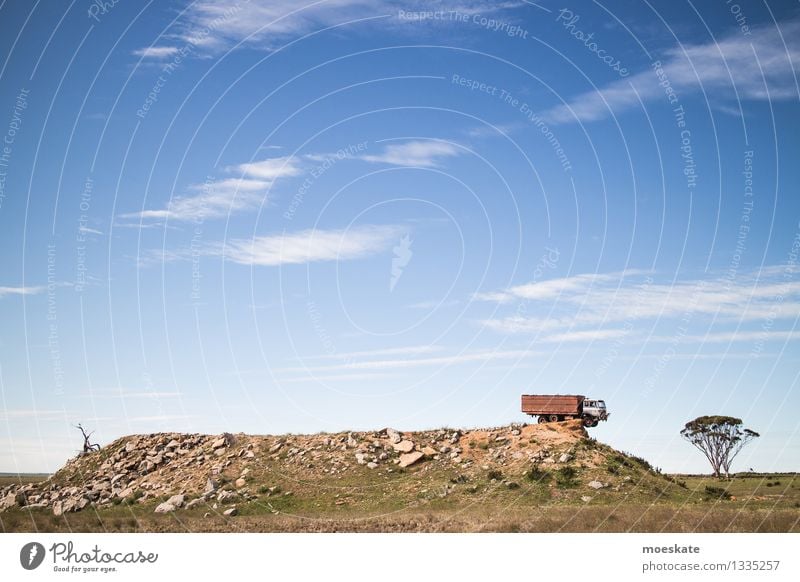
x=582 y=307
x=156 y=52
x=209 y=26
x=25 y=290
x=584 y=335
x=28 y=415
x=312 y=245
x=219 y=198
x=415 y=153
x=553 y=288
x=404 y=350
x=756 y=67
x=414 y=362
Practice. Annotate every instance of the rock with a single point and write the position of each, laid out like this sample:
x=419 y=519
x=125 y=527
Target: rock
x=444 y=450
x=194 y=503
x=275 y=448
x=230 y=512
x=403 y=446
x=351 y=442
x=130 y=447
x=219 y=443
x=211 y=485
x=58 y=508
x=626 y=478
x=360 y=459
x=410 y=458
x=173 y=444
x=565 y=458
x=430 y=451
x=125 y=493
x=165 y=507
x=596 y=485
x=394 y=436
x=176 y=500
x=240 y=482
x=225 y=496
x=372 y=465
x=249 y=455
x=14 y=498
x=585 y=498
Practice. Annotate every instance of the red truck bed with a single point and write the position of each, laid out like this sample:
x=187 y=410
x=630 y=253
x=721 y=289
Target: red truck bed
x=552 y=403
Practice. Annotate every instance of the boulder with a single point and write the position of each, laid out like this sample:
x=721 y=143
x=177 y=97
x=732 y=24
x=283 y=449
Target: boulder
x=230 y=512
x=165 y=507
x=219 y=443
x=409 y=459
x=14 y=498
x=565 y=458
x=596 y=485
x=403 y=446
x=225 y=496
x=194 y=503
x=176 y=500
x=394 y=436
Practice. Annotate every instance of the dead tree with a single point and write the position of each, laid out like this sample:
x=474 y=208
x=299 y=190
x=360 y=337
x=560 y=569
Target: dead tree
x=87 y=446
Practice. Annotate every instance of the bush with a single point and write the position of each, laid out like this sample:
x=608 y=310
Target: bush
x=565 y=476
x=494 y=474
x=537 y=475
x=717 y=492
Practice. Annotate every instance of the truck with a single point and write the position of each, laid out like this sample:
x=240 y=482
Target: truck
x=558 y=407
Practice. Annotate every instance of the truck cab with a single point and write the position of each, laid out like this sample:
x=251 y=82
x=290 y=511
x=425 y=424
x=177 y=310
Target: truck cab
x=594 y=411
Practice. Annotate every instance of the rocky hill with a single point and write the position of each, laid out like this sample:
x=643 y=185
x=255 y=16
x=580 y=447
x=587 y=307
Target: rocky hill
x=383 y=470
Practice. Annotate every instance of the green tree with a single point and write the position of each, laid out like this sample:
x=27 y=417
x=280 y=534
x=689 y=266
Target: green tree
x=719 y=438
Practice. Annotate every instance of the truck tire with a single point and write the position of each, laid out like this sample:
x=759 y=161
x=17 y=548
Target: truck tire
x=542 y=420
x=588 y=421
x=553 y=418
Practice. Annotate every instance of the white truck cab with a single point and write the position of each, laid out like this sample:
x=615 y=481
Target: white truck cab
x=594 y=411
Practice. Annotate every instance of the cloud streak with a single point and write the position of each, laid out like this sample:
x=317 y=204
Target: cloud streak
x=312 y=245
x=293 y=248
x=4 y=291
x=582 y=307
x=757 y=67
x=220 y=198
x=415 y=153
x=211 y=27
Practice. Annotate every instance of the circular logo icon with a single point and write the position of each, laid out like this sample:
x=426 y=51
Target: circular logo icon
x=31 y=555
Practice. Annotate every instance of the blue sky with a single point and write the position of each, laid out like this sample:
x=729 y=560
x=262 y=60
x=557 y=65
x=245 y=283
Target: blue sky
x=272 y=217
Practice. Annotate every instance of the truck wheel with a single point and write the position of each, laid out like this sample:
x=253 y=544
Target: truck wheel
x=588 y=421
x=553 y=418
x=542 y=420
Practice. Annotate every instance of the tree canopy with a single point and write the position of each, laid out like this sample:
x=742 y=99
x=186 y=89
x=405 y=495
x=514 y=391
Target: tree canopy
x=719 y=438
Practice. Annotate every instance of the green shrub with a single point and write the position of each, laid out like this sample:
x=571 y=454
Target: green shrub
x=717 y=492
x=494 y=474
x=565 y=476
x=537 y=474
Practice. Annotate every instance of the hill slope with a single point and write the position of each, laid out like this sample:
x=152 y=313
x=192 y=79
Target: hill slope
x=446 y=479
